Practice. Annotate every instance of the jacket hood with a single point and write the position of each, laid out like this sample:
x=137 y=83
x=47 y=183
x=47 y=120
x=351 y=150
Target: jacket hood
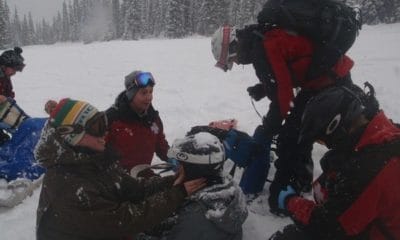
x=379 y=130
x=52 y=150
x=226 y=205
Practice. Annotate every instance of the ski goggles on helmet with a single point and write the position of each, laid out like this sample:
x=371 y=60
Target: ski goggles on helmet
x=96 y=126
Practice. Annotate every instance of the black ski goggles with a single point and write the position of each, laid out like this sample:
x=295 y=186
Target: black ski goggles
x=96 y=126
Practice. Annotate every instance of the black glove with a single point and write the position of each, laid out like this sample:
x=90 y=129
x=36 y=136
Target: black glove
x=257 y=92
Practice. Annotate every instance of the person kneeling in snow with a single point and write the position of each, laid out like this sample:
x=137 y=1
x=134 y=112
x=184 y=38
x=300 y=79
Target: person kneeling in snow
x=357 y=195
x=216 y=212
x=85 y=193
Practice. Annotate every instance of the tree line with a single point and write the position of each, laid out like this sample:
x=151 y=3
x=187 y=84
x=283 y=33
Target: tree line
x=103 y=20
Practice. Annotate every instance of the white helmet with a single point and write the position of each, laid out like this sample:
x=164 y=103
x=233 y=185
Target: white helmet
x=202 y=148
x=220 y=42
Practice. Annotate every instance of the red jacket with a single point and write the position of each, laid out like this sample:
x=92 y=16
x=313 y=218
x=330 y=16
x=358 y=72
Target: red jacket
x=136 y=138
x=289 y=56
x=137 y=142
x=6 y=87
x=354 y=210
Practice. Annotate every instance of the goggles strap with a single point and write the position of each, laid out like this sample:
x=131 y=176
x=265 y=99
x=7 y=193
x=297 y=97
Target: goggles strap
x=223 y=58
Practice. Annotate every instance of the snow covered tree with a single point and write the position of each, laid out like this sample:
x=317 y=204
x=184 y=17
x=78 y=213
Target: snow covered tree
x=132 y=22
x=31 y=30
x=65 y=20
x=385 y=11
x=25 y=32
x=5 y=37
x=116 y=19
x=16 y=29
x=213 y=13
x=246 y=14
x=174 y=28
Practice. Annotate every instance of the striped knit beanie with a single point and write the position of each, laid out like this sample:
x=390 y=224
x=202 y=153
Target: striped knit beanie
x=72 y=112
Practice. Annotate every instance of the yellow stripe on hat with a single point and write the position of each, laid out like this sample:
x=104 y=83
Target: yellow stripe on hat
x=74 y=113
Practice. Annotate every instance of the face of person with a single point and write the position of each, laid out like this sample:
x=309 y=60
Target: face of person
x=95 y=143
x=142 y=100
x=94 y=133
x=8 y=71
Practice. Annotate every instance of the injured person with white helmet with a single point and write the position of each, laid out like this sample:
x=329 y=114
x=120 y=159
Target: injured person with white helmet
x=215 y=212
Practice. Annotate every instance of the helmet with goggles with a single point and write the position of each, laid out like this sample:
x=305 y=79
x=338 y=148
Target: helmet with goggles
x=223 y=45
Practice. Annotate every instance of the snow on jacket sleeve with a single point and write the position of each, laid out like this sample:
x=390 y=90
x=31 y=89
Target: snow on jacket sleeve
x=87 y=210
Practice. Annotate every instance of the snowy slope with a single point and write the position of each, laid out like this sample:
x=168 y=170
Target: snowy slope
x=189 y=91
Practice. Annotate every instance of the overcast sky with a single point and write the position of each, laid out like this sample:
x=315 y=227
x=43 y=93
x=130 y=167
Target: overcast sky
x=39 y=8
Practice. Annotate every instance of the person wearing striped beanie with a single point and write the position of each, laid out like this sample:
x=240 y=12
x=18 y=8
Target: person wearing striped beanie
x=85 y=193
x=74 y=119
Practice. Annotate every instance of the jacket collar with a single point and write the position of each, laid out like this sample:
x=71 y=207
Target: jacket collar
x=125 y=112
x=380 y=130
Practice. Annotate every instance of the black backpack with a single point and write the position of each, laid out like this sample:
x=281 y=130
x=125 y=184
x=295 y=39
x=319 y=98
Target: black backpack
x=331 y=24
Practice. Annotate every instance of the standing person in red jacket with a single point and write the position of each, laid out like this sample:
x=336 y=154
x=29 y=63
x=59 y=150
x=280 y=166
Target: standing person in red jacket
x=136 y=130
x=281 y=60
x=356 y=197
x=11 y=61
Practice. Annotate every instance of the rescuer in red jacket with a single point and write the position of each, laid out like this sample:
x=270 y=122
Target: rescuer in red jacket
x=136 y=130
x=356 y=196
x=281 y=59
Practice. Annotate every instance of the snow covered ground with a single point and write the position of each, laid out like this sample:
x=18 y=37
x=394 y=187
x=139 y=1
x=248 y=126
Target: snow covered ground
x=189 y=91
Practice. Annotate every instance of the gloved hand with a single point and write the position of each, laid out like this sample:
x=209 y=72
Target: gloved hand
x=257 y=92
x=284 y=195
x=174 y=163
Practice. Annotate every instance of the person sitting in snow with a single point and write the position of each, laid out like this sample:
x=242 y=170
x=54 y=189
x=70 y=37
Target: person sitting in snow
x=357 y=195
x=11 y=61
x=216 y=212
x=136 y=130
x=85 y=193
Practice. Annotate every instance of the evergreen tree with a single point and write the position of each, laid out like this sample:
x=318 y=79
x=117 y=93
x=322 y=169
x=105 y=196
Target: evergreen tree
x=208 y=23
x=3 y=26
x=74 y=20
x=234 y=12
x=31 y=30
x=159 y=13
x=133 y=24
x=116 y=20
x=16 y=30
x=25 y=32
x=397 y=11
x=174 y=27
x=65 y=20
x=246 y=15
x=57 y=27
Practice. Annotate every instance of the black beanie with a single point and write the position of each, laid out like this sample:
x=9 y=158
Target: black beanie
x=13 y=59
